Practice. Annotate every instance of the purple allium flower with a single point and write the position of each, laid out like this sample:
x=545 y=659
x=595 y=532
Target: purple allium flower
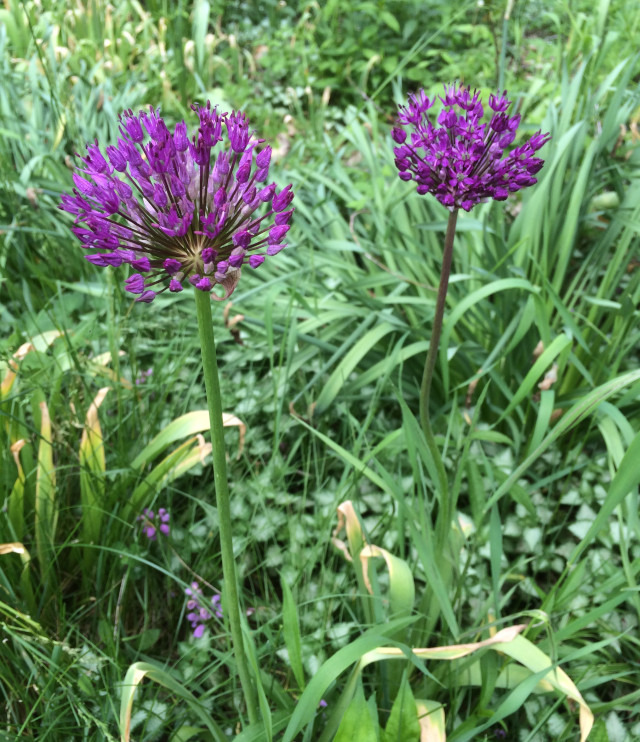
x=199 y=614
x=459 y=158
x=155 y=522
x=174 y=208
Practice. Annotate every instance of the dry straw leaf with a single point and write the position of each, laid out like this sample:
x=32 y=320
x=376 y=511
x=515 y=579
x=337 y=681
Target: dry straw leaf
x=431 y=720
x=15 y=548
x=550 y=378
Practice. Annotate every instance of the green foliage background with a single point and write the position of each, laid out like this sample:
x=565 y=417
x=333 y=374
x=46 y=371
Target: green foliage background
x=321 y=355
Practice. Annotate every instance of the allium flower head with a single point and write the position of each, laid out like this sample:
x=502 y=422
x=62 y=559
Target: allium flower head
x=152 y=522
x=459 y=158
x=179 y=209
x=199 y=614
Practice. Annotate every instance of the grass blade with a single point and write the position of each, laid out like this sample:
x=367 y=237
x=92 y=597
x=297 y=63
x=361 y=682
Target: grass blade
x=46 y=515
x=92 y=476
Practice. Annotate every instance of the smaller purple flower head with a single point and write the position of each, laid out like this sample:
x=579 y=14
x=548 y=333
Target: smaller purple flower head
x=457 y=156
x=175 y=208
x=154 y=522
x=143 y=376
x=199 y=613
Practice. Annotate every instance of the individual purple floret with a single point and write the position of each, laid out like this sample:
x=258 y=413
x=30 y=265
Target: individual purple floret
x=458 y=158
x=154 y=523
x=179 y=210
x=198 y=614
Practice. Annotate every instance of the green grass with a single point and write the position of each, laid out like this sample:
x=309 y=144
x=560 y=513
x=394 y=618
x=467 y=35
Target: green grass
x=321 y=357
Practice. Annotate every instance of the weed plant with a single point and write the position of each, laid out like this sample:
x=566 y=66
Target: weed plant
x=534 y=402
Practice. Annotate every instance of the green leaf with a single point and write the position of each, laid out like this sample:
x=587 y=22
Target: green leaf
x=390 y=20
x=174 y=465
x=599 y=732
x=402 y=589
x=147 y=639
x=357 y=724
x=183 y=426
x=291 y=631
x=403 y=724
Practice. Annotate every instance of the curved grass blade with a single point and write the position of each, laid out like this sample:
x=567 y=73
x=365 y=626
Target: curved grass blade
x=92 y=476
x=183 y=426
x=171 y=467
x=46 y=513
x=330 y=670
x=135 y=675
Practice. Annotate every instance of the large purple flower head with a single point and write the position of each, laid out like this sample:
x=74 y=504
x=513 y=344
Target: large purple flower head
x=179 y=209
x=459 y=158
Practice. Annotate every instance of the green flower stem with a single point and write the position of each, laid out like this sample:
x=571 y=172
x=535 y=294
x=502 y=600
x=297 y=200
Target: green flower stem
x=232 y=607
x=444 y=513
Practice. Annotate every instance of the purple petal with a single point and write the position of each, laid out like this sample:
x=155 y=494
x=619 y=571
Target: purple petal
x=241 y=239
x=141 y=264
x=172 y=266
x=134 y=284
x=147 y=296
x=282 y=200
x=277 y=233
x=204 y=284
x=198 y=631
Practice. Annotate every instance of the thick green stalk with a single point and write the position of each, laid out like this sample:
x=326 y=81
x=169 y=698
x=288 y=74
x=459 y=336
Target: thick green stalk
x=232 y=606
x=444 y=514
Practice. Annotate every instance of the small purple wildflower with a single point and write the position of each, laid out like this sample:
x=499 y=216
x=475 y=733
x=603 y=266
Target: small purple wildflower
x=199 y=615
x=174 y=209
x=155 y=522
x=463 y=161
x=143 y=376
